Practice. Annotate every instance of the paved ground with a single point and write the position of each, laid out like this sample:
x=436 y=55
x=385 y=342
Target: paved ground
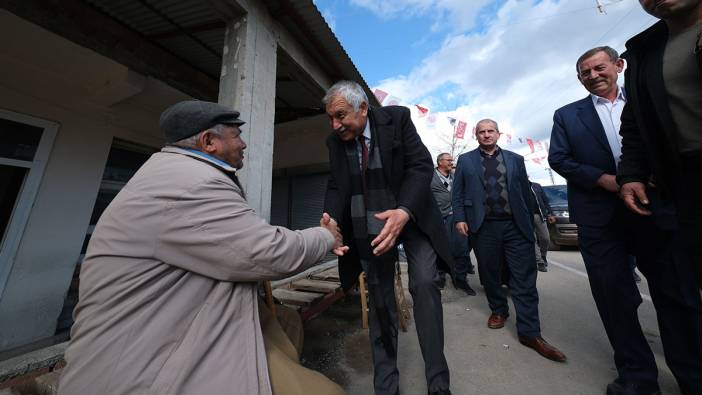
x=485 y=361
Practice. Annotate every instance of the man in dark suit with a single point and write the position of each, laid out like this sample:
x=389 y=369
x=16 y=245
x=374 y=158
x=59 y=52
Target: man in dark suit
x=662 y=146
x=585 y=150
x=542 y=215
x=492 y=201
x=378 y=191
x=441 y=184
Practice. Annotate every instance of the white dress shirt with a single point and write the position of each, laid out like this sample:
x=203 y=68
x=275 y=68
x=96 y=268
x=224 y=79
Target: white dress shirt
x=610 y=114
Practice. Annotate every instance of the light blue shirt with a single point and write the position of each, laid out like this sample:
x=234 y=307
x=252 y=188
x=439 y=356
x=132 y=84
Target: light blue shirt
x=610 y=114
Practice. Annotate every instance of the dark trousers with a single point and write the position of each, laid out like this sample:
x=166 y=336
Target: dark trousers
x=498 y=240
x=605 y=250
x=428 y=316
x=676 y=296
x=689 y=210
x=460 y=248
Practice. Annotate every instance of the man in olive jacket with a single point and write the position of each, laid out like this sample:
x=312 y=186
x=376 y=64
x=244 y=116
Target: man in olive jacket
x=168 y=288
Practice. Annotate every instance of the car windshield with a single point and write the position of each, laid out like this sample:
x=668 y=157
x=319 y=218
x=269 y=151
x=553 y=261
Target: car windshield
x=557 y=195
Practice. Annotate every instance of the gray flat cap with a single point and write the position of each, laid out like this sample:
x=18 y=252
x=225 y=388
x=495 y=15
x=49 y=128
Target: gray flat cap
x=191 y=117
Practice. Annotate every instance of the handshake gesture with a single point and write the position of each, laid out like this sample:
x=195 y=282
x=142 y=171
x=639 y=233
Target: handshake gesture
x=330 y=224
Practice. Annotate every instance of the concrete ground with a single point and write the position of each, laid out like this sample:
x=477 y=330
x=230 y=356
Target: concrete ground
x=485 y=361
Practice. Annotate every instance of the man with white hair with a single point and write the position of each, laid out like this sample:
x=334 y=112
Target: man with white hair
x=378 y=191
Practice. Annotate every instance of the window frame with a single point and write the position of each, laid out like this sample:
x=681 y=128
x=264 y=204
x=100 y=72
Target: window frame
x=27 y=193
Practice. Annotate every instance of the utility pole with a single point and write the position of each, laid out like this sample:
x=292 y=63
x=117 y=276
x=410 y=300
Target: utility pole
x=550 y=174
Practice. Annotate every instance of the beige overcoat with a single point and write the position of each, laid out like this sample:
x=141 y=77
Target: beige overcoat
x=167 y=300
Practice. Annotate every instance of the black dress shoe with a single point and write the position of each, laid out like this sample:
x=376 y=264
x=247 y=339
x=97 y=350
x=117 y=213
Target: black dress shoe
x=541 y=267
x=463 y=284
x=440 y=392
x=621 y=387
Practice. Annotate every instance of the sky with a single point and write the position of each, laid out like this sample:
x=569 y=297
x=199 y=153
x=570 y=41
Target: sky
x=509 y=60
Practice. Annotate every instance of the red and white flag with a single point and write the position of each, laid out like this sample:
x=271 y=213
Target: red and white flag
x=539 y=145
x=461 y=129
x=380 y=95
x=531 y=144
x=423 y=111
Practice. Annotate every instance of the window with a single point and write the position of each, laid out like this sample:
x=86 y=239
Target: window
x=123 y=161
x=25 y=143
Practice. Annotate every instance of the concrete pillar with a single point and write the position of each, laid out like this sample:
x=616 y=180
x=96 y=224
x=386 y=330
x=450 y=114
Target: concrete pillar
x=247 y=84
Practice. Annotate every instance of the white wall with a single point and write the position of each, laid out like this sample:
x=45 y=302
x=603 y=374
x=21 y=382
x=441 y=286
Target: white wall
x=93 y=99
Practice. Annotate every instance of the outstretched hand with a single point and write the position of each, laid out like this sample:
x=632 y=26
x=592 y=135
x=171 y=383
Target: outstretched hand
x=329 y=223
x=395 y=221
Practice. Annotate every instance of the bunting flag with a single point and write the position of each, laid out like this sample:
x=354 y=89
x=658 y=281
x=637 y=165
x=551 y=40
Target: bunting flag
x=380 y=95
x=473 y=134
x=540 y=146
x=537 y=161
x=431 y=120
x=452 y=121
x=392 y=101
x=531 y=144
x=461 y=129
x=509 y=138
x=422 y=110
x=520 y=140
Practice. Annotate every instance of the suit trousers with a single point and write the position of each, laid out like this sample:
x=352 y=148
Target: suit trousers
x=605 y=250
x=543 y=238
x=428 y=316
x=497 y=242
x=460 y=248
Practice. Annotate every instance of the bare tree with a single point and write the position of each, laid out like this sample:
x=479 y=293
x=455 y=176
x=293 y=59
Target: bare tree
x=452 y=144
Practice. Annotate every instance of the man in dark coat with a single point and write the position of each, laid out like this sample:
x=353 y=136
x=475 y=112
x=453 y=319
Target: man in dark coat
x=662 y=155
x=542 y=215
x=441 y=185
x=662 y=126
x=492 y=200
x=378 y=191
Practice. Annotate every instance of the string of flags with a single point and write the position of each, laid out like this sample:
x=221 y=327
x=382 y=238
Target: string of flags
x=538 y=149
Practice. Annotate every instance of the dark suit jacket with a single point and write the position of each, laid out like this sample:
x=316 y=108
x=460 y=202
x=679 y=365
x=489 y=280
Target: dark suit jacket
x=581 y=154
x=649 y=145
x=469 y=192
x=408 y=169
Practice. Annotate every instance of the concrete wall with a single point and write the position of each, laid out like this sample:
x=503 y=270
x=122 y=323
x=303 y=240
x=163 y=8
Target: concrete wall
x=93 y=99
x=301 y=142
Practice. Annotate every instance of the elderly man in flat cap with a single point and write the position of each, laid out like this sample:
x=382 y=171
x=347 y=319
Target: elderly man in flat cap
x=168 y=289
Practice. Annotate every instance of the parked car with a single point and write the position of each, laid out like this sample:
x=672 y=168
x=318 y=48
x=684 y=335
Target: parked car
x=563 y=232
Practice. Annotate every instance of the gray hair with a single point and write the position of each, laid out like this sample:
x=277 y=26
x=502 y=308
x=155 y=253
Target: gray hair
x=191 y=142
x=611 y=53
x=487 y=120
x=438 y=158
x=350 y=91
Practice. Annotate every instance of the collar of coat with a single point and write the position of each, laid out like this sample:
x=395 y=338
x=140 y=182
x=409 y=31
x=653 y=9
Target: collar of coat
x=195 y=154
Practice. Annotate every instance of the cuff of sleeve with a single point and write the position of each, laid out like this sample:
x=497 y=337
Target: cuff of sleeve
x=328 y=238
x=405 y=209
x=621 y=180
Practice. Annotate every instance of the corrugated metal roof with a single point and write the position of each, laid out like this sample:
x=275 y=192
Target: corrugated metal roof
x=194 y=31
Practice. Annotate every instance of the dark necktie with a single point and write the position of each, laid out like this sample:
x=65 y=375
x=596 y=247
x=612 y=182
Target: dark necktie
x=364 y=162
x=445 y=184
x=364 y=153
